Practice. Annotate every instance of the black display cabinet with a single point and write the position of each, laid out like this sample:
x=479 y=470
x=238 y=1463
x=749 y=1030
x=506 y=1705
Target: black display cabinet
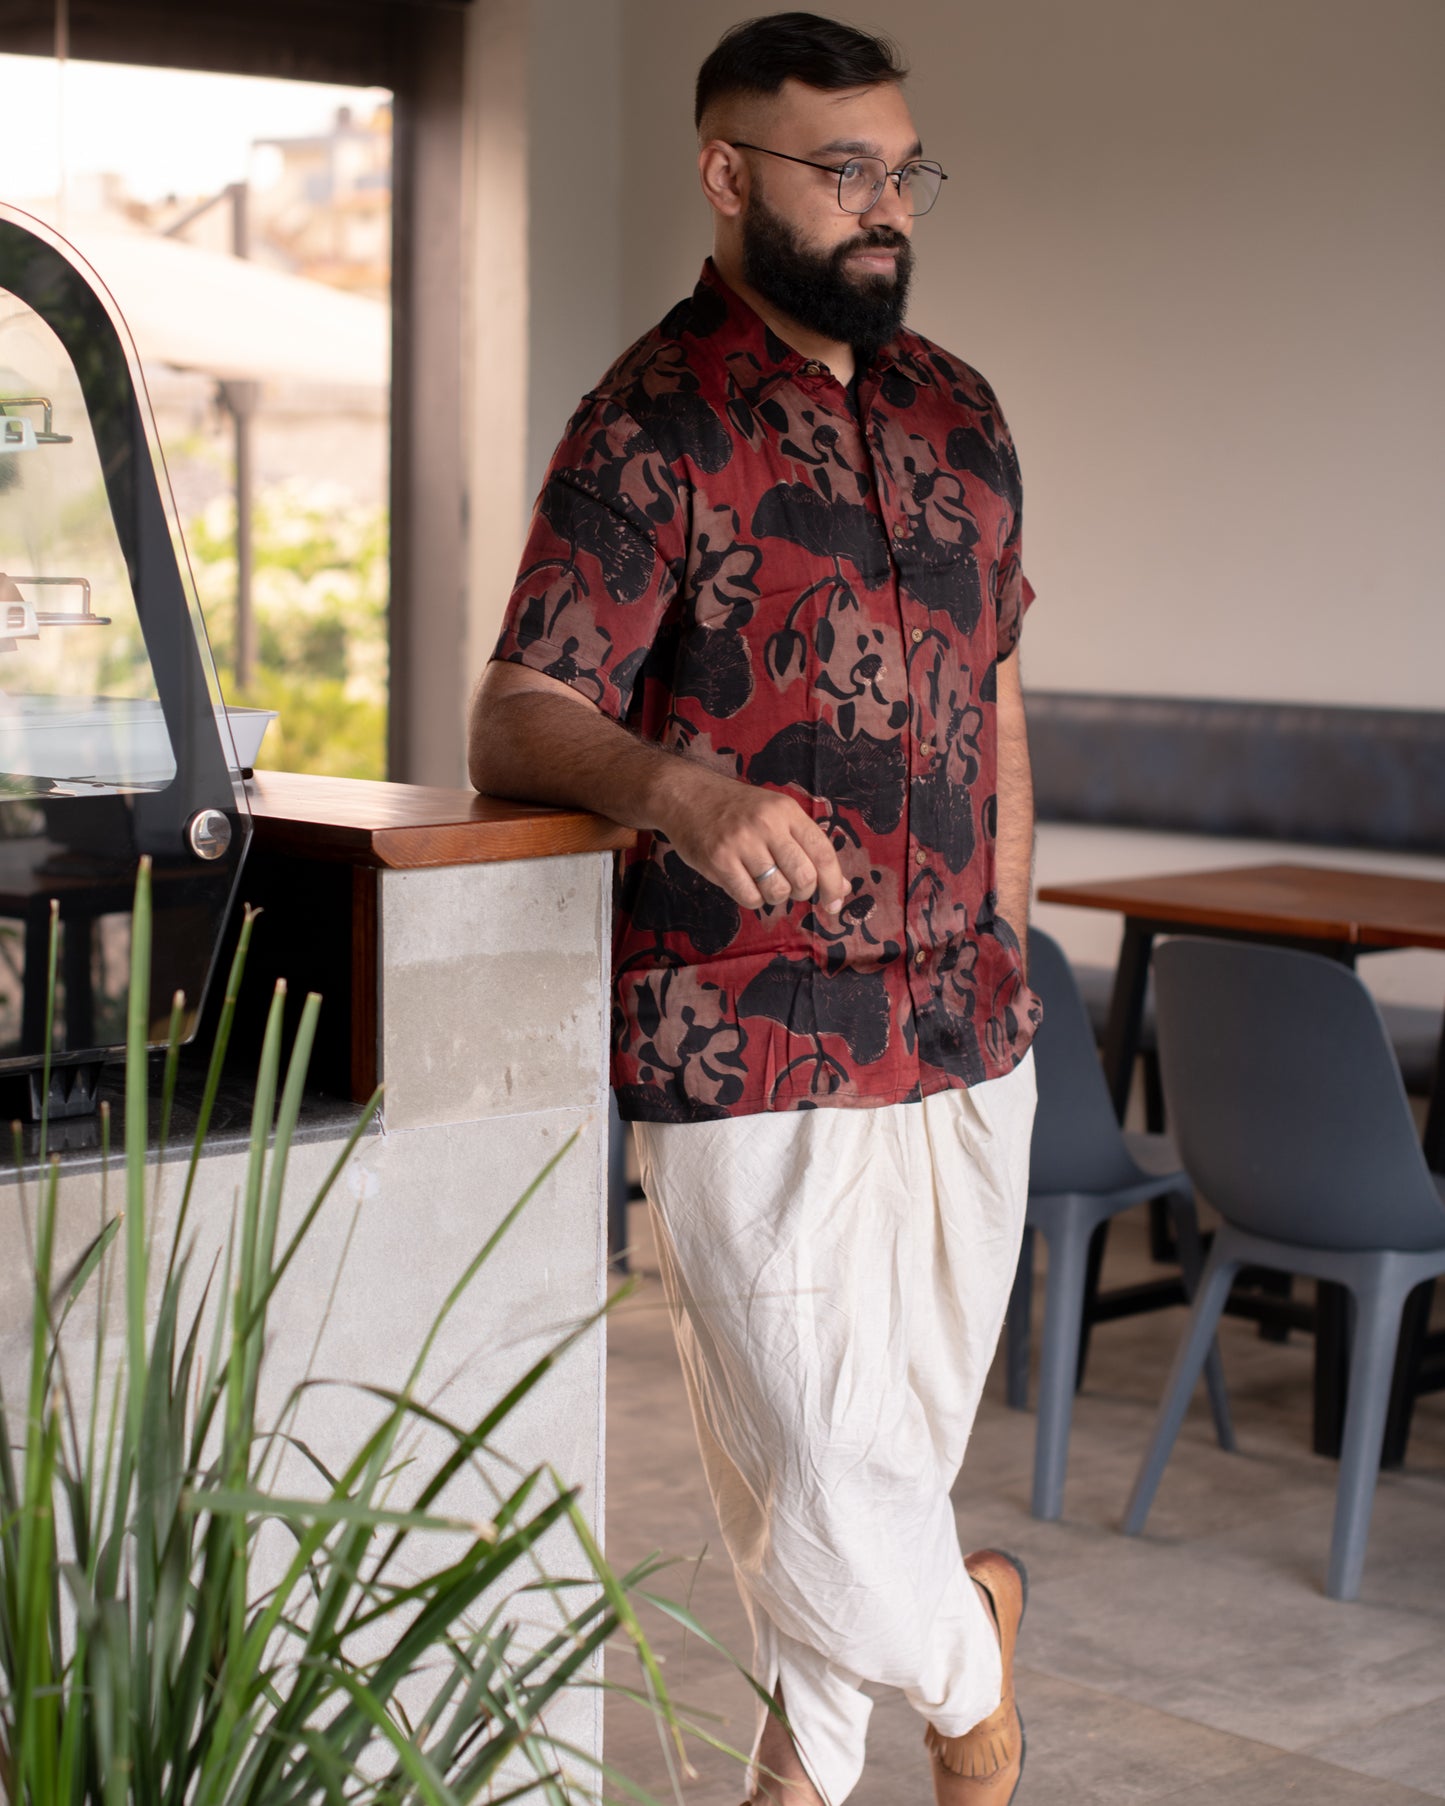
x=114 y=743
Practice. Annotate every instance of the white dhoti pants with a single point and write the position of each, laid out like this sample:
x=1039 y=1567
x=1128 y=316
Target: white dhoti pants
x=837 y=1281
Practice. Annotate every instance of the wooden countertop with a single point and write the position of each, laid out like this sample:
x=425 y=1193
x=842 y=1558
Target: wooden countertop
x=407 y=826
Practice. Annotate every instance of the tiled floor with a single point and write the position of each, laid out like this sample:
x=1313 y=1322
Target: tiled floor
x=1200 y=1663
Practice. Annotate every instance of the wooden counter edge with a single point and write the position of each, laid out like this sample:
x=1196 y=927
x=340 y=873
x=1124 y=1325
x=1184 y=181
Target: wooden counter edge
x=411 y=827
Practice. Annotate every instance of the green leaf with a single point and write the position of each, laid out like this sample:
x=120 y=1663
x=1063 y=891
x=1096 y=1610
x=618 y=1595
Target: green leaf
x=231 y=1502
x=136 y=1050
x=81 y=1273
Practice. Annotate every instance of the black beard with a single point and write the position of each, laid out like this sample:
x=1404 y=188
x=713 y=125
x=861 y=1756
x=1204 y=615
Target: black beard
x=815 y=289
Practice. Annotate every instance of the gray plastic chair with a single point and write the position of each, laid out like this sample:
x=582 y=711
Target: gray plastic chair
x=1083 y=1170
x=1291 y=1117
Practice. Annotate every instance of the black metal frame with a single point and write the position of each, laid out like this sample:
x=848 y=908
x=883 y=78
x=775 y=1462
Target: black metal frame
x=108 y=834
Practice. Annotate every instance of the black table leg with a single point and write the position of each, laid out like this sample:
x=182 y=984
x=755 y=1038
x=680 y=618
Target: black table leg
x=1332 y=1366
x=1433 y=1140
x=1121 y=1048
x=1126 y=1010
x=1098 y=1242
x=1414 y=1329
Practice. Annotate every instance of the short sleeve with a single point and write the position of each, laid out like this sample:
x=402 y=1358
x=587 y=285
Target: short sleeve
x=603 y=560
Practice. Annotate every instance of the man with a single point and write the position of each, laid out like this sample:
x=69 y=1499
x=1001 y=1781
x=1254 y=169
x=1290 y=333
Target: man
x=767 y=615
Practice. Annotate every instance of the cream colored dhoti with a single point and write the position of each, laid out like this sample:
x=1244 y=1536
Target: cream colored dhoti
x=837 y=1281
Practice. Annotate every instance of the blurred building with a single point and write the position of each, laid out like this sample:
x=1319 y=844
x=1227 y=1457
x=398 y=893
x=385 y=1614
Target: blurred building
x=324 y=203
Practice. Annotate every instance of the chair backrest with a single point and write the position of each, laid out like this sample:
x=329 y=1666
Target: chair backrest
x=1285 y=1098
x=1077 y=1145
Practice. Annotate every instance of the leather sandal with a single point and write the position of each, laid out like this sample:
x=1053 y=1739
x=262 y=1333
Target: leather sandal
x=989 y=1759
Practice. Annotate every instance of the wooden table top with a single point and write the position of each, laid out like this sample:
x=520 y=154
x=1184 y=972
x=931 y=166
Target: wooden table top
x=1312 y=902
x=406 y=826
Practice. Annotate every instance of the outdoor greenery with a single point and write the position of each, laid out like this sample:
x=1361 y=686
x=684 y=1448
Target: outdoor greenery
x=176 y=1628
x=320 y=584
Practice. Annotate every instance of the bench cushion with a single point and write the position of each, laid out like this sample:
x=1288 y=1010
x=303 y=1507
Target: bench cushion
x=1278 y=771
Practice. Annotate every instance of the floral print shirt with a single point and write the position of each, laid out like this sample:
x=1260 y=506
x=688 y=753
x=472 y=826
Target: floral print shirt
x=729 y=562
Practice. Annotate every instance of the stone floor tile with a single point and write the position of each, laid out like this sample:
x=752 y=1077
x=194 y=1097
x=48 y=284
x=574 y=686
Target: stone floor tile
x=1408 y=1748
x=1294 y=1778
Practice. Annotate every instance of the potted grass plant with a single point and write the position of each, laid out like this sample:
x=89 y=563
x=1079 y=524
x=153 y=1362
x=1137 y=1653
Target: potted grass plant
x=174 y=1629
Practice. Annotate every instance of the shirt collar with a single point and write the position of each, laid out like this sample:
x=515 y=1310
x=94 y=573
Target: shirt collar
x=757 y=359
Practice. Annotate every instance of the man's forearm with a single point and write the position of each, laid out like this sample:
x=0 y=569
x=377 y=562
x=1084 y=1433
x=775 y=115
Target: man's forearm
x=1014 y=843
x=546 y=749
x=548 y=746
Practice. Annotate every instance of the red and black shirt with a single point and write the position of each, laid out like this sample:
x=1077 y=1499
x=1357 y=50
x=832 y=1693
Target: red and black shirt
x=728 y=561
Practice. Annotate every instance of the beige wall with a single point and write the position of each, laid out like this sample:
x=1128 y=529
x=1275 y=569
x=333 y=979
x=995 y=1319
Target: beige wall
x=1197 y=249
x=575 y=89
x=543 y=266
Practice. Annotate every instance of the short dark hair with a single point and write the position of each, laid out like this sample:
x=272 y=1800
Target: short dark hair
x=759 y=55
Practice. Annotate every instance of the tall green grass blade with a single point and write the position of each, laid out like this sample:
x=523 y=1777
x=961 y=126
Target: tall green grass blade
x=281 y=1140
x=430 y=1787
x=627 y=1618
x=73 y=1283
x=689 y=1621
x=215 y=1068
x=262 y=1112
x=313 y=1210
x=225 y=1501
x=170 y=1072
x=40 y=1321
x=463 y=1285
x=136 y=1055
x=52 y=960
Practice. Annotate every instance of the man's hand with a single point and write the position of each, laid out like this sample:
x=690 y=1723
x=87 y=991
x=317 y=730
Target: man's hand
x=537 y=739
x=735 y=833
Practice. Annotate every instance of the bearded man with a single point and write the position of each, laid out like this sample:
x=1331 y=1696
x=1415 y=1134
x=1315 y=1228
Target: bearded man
x=767 y=614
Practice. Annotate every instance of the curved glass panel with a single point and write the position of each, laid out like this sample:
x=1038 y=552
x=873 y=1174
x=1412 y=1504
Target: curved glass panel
x=79 y=706
x=113 y=743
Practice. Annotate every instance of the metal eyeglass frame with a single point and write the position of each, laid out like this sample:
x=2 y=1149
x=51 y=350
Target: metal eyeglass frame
x=834 y=170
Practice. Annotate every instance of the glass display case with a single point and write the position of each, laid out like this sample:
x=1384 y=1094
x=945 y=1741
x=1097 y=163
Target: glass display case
x=113 y=740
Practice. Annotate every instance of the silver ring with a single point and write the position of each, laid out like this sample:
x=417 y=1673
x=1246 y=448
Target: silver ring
x=767 y=872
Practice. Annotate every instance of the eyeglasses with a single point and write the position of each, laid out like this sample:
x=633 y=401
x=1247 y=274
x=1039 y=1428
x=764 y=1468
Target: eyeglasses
x=862 y=179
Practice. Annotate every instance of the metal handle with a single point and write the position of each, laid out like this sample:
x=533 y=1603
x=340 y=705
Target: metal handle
x=209 y=832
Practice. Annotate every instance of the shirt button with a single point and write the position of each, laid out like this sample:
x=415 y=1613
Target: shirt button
x=900 y=529
x=919 y=957
x=917 y=635
x=921 y=857
x=812 y=368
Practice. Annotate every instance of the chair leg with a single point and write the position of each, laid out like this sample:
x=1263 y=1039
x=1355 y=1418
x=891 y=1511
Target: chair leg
x=1098 y=1243
x=1058 y=1364
x=1414 y=1335
x=1191 y=1262
x=1018 y=1326
x=1372 y=1365
x=1183 y=1375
